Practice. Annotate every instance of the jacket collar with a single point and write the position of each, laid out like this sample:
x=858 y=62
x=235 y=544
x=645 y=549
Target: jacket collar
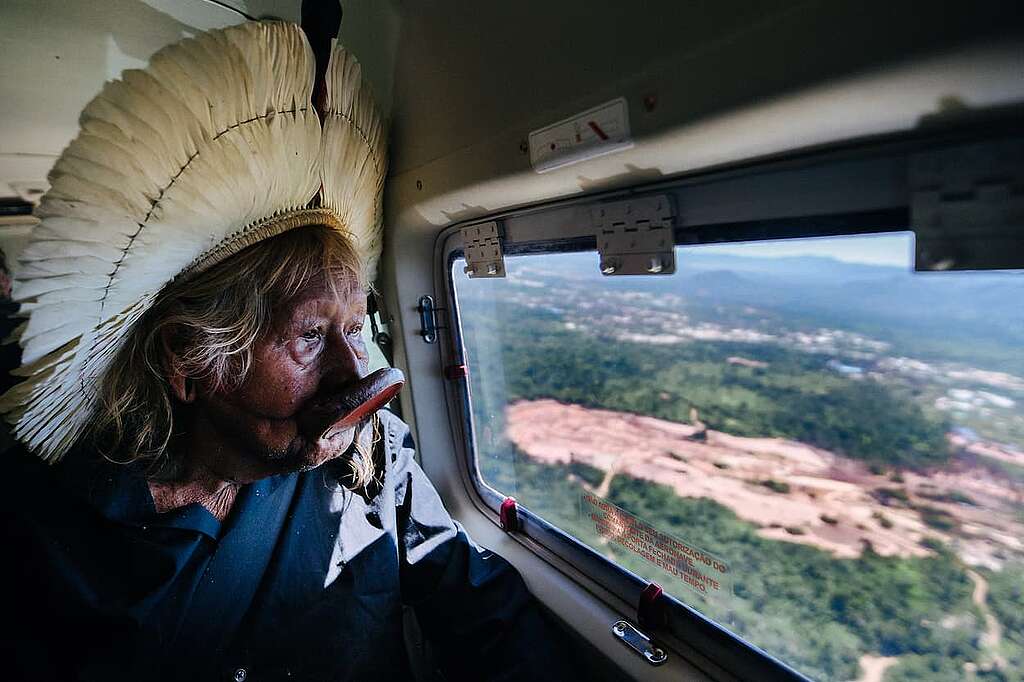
x=120 y=493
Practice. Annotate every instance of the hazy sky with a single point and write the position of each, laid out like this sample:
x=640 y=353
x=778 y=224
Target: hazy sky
x=893 y=248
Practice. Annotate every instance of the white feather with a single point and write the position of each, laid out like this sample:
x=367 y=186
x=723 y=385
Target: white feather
x=354 y=155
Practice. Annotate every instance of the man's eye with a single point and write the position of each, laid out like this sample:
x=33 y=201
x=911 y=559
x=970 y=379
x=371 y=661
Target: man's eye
x=356 y=330
x=312 y=334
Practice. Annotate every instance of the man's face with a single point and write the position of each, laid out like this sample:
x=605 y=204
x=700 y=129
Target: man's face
x=313 y=352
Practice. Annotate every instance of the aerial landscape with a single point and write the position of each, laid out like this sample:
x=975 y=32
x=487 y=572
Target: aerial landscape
x=840 y=437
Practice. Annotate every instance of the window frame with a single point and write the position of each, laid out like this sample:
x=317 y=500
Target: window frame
x=859 y=188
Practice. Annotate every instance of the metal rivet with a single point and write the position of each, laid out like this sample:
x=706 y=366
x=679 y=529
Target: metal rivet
x=241 y=674
x=655 y=266
x=492 y=269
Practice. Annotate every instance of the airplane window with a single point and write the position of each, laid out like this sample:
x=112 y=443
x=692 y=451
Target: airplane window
x=805 y=440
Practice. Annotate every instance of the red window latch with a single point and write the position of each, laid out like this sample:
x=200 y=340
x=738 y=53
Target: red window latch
x=508 y=515
x=456 y=372
x=650 y=611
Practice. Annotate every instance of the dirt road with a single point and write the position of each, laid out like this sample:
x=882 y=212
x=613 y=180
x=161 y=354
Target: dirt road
x=993 y=634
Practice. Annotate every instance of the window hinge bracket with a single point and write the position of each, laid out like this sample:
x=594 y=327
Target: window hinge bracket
x=481 y=245
x=967 y=206
x=634 y=236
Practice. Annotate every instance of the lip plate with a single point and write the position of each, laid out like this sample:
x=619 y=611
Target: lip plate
x=368 y=407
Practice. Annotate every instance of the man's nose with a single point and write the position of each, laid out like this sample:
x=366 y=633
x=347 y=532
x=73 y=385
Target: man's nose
x=344 y=364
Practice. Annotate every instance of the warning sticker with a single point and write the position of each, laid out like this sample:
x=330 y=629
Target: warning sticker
x=677 y=562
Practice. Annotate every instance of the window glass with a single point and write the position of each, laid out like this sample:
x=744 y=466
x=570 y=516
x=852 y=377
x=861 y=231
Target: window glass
x=805 y=440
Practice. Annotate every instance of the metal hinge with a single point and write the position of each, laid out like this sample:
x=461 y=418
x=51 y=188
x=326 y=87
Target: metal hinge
x=967 y=206
x=634 y=237
x=481 y=245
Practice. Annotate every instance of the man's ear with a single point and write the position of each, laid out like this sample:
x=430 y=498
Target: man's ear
x=184 y=389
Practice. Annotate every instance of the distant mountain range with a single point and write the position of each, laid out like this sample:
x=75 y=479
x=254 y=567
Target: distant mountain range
x=971 y=317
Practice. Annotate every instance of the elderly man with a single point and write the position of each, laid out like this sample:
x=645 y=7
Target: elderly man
x=204 y=484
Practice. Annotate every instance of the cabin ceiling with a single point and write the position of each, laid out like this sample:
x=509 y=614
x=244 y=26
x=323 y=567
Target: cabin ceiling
x=465 y=83
x=728 y=80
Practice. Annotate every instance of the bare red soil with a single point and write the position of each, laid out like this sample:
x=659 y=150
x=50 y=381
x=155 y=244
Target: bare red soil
x=792 y=491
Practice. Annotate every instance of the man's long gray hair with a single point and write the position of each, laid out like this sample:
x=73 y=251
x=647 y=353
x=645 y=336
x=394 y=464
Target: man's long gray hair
x=214 y=319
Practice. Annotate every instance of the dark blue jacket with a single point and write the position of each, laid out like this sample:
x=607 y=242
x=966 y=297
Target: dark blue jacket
x=304 y=580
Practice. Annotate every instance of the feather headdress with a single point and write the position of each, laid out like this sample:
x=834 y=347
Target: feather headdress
x=211 y=148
